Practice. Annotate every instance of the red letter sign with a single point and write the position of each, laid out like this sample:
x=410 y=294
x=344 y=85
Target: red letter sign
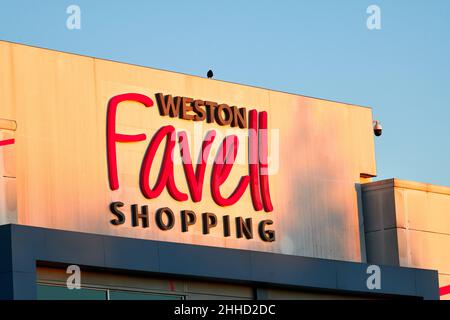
x=195 y=180
x=221 y=170
x=165 y=177
x=112 y=136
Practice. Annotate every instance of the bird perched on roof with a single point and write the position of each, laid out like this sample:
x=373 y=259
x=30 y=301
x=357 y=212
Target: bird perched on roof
x=210 y=74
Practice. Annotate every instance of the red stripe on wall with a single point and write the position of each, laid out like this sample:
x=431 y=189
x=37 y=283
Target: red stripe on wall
x=6 y=142
x=444 y=290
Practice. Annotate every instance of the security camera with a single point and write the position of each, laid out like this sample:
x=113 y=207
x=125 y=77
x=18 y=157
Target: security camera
x=377 y=128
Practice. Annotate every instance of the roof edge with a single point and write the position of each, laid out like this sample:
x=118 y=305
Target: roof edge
x=406 y=184
x=186 y=74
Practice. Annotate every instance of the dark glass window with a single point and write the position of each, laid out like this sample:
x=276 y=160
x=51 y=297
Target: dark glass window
x=127 y=295
x=46 y=292
x=56 y=292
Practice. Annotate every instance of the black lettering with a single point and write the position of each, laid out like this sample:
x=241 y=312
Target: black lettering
x=186 y=108
x=223 y=115
x=170 y=219
x=239 y=117
x=135 y=216
x=266 y=235
x=244 y=228
x=200 y=112
x=114 y=208
x=209 y=221
x=167 y=106
x=188 y=218
x=226 y=226
x=210 y=106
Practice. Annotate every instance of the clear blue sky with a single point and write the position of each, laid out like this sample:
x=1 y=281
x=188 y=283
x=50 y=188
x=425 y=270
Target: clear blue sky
x=319 y=48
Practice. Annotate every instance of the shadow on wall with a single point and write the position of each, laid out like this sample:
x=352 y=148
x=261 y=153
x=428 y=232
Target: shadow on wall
x=320 y=210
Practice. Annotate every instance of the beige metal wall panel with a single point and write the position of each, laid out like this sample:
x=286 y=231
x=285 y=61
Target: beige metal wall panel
x=8 y=189
x=425 y=250
x=8 y=201
x=7 y=103
x=418 y=216
x=59 y=102
x=7 y=155
x=423 y=210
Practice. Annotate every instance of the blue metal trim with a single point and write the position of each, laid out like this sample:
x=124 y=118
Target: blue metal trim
x=21 y=247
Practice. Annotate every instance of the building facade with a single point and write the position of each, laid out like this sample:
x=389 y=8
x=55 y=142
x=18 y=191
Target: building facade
x=160 y=185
